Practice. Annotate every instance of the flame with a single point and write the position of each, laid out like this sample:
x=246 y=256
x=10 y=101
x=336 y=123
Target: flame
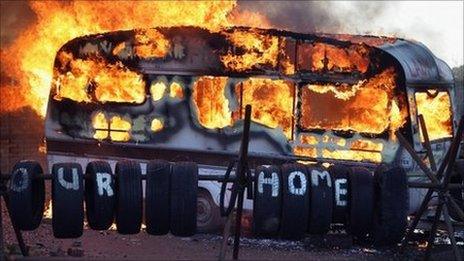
x=118 y=127
x=334 y=58
x=157 y=90
x=352 y=155
x=259 y=49
x=156 y=125
x=176 y=91
x=366 y=145
x=437 y=114
x=272 y=102
x=150 y=43
x=112 y=82
x=28 y=61
x=99 y=122
x=309 y=139
x=363 y=107
x=211 y=103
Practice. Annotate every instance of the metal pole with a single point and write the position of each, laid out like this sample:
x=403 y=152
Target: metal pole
x=425 y=134
x=242 y=179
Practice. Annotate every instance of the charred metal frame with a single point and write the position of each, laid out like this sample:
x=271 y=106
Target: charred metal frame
x=440 y=184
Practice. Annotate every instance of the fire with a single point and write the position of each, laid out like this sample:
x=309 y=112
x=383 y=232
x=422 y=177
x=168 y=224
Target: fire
x=99 y=122
x=150 y=43
x=352 y=155
x=272 y=102
x=436 y=109
x=157 y=90
x=112 y=82
x=29 y=59
x=259 y=50
x=117 y=127
x=156 y=125
x=211 y=103
x=176 y=91
x=333 y=58
x=363 y=107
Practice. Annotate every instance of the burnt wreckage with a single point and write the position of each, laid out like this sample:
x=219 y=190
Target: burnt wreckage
x=179 y=94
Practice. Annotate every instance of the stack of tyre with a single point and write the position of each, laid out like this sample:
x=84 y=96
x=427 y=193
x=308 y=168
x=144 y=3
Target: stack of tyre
x=170 y=199
x=293 y=200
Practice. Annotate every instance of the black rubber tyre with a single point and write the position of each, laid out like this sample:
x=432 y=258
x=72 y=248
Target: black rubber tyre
x=184 y=193
x=339 y=174
x=27 y=195
x=157 y=201
x=295 y=201
x=67 y=200
x=361 y=202
x=391 y=206
x=267 y=201
x=321 y=201
x=100 y=196
x=208 y=214
x=128 y=197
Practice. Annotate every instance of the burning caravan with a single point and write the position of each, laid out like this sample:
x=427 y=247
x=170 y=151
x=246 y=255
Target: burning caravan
x=179 y=94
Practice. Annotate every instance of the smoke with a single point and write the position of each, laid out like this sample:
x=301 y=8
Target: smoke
x=439 y=25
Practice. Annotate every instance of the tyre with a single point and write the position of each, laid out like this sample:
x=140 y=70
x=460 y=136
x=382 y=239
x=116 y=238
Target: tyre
x=295 y=201
x=208 y=214
x=391 y=206
x=128 y=197
x=267 y=201
x=457 y=194
x=320 y=201
x=100 y=197
x=157 y=200
x=339 y=174
x=27 y=195
x=67 y=200
x=361 y=202
x=184 y=190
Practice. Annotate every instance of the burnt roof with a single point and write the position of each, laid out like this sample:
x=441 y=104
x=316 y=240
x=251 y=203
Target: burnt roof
x=419 y=65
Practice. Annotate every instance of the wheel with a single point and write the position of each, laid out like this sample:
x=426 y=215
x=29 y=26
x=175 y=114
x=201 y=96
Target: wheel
x=184 y=190
x=157 y=201
x=267 y=201
x=208 y=215
x=457 y=194
x=361 y=202
x=339 y=174
x=321 y=201
x=67 y=200
x=128 y=197
x=391 y=207
x=27 y=195
x=100 y=198
x=295 y=201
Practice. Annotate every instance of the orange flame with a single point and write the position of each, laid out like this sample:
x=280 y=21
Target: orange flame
x=211 y=103
x=113 y=82
x=363 y=107
x=437 y=114
x=272 y=102
x=29 y=59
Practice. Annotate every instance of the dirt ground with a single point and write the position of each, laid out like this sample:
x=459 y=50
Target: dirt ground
x=111 y=245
